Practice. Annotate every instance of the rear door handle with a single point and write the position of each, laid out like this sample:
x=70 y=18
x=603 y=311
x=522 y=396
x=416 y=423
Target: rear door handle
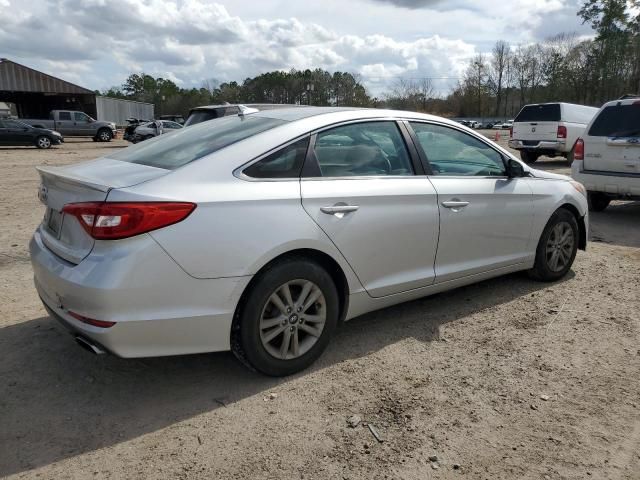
x=339 y=210
x=454 y=204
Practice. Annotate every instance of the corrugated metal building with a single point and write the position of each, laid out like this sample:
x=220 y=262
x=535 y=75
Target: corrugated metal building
x=35 y=94
x=118 y=110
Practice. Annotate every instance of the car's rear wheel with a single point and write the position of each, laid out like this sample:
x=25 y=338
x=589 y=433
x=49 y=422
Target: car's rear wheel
x=528 y=156
x=287 y=318
x=43 y=142
x=597 y=201
x=557 y=247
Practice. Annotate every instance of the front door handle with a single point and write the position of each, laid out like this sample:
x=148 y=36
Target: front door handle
x=339 y=210
x=455 y=205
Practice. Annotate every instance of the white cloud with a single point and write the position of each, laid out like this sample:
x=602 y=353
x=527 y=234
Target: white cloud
x=189 y=40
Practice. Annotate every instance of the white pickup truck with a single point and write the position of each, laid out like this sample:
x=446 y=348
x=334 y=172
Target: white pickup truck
x=549 y=129
x=607 y=157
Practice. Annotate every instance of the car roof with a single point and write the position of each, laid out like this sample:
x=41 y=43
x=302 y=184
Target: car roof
x=623 y=101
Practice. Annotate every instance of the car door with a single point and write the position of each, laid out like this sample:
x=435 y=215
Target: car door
x=4 y=134
x=65 y=124
x=18 y=133
x=82 y=124
x=485 y=216
x=370 y=196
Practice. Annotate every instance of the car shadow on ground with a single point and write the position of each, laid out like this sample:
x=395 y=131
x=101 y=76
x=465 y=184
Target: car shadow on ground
x=618 y=224
x=84 y=403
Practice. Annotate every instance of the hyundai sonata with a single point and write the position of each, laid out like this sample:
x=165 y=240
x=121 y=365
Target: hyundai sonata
x=260 y=232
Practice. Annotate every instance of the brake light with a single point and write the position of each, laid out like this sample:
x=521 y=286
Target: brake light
x=562 y=131
x=578 y=150
x=116 y=220
x=91 y=321
x=510 y=132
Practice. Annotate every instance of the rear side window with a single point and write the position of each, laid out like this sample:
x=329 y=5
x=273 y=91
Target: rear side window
x=539 y=113
x=617 y=121
x=189 y=144
x=362 y=149
x=285 y=163
x=64 y=116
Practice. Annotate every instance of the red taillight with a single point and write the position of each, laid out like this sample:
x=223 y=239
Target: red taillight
x=510 y=132
x=578 y=150
x=91 y=321
x=562 y=132
x=116 y=220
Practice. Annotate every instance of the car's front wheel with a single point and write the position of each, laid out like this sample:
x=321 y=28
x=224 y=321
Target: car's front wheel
x=104 y=135
x=287 y=318
x=557 y=247
x=43 y=142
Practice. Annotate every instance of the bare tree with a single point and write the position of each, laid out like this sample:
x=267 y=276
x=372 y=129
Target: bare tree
x=499 y=62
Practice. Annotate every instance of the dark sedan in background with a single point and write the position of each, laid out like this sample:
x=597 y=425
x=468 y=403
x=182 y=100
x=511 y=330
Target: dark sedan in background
x=16 y=133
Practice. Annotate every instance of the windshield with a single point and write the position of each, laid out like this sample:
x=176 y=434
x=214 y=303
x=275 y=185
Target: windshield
x=617 y=121
x=189 y=144
x=539 y=113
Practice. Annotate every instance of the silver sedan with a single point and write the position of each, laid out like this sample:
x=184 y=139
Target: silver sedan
x=260 y=232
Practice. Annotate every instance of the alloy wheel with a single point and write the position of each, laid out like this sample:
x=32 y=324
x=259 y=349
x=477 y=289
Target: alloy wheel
x=559 y=246
x=44 y=142
x=293 y=319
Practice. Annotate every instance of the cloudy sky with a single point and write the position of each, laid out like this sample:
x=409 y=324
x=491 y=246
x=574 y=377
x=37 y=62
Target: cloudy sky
x=97 y=43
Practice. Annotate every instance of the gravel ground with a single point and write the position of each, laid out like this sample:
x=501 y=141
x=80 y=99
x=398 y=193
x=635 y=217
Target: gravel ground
x=505 y=379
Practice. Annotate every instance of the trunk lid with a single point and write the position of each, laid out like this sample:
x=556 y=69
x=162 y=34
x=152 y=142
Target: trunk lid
x=535 y=131
x=612 y=143
x=86 y=182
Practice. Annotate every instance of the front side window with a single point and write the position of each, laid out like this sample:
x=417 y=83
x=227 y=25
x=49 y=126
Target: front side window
x=189 y=144
x=362 y=149
x=285 y=163
x=80 y=117
x=452 y=152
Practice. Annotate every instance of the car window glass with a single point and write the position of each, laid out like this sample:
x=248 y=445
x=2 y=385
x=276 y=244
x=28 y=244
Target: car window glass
x=64 y=115
x=549 y=112
x=285 y=163
x=362 y=149
x=80 y=117
x=189 y=144
x=2 y=125
x=617 y=121
x=452 y=152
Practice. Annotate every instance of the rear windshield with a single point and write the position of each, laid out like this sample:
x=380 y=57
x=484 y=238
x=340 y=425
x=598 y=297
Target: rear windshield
x=539 y=113
x=199 y=116
x=185 y=145
x=617 y=121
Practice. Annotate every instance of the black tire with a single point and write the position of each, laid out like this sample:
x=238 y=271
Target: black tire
x=528 y=156
x=104 y=135
x=246 y=341
x=597 y=201
x=43 y=142
x=542 y=269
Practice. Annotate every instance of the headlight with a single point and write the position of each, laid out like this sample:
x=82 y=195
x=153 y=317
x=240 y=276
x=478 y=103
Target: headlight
x=579 y=187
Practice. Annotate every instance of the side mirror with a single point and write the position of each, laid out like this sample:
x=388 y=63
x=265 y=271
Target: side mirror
x=514 y=169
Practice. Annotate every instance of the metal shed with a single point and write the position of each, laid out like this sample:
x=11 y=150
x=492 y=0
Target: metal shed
x=36 y=93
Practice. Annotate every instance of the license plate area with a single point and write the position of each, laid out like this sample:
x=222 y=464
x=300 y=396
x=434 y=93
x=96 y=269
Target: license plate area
x=53 y=222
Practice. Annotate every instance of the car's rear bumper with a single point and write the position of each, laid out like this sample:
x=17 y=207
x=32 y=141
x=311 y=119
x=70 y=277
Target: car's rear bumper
x=616 y=184
x=550 y=145
x=158 y=309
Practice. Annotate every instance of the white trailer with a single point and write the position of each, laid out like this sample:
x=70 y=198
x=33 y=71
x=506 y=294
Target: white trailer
x=117 y=110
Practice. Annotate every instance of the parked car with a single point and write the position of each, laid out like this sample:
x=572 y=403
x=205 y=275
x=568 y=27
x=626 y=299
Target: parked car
x=149 y=130
x=209 y=112
x=488 y=125
x=607 y=157
x=75 y=124
x=261 y=232
x=132 y=124
x=474 y=124
x=549 y=129
x=507 y=125
x=15 y=133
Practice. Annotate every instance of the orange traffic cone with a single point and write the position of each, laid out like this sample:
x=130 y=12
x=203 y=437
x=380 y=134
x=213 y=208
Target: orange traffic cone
x=497 y=137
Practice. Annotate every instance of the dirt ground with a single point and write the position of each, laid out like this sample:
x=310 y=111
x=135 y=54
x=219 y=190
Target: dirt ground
x=506 y=379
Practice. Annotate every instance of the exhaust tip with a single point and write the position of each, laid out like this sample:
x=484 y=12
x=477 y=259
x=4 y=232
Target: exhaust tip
x=89 y=346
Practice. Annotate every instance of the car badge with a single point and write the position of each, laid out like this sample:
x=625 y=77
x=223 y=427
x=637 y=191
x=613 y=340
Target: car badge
x=533 y=129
